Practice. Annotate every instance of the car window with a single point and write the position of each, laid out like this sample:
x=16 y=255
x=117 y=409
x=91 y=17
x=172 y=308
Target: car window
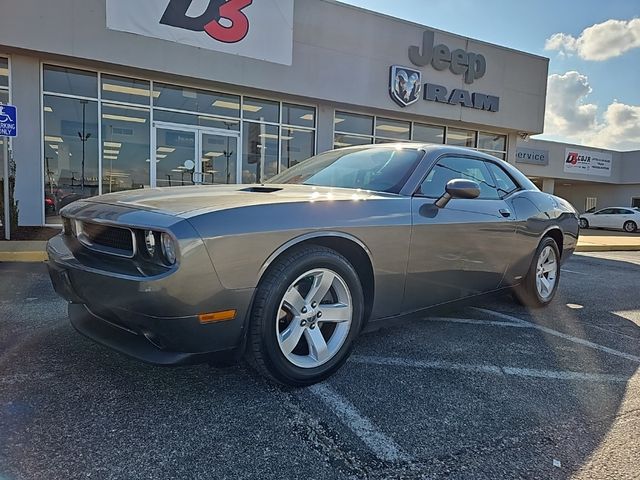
x=504 y=183
x=449 y=168
x=606 y=211
x=624 y=211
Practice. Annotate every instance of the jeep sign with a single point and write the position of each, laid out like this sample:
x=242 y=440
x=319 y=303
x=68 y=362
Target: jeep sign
x=460 y=62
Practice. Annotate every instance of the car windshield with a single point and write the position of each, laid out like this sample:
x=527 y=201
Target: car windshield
x=380 y=169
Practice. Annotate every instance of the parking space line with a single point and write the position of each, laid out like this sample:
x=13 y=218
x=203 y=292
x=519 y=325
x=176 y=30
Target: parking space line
x=473 y=321
x=382 y=446
x=573 y=271
x=490 y=369
x=571 y=338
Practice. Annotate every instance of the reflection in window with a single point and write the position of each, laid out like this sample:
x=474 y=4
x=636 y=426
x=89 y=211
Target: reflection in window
x=299 y=116
x=428 y=133
x=129 y=90
x=219 y=158
x=393 y=129
x=197 y=120
x=175 y=162
x=4 y=72
x=70 y=81
x=342 y=140
x=70 y=152
x=261 y=110
x=492 y=141
x=259 y=152
x=193 y=100
x=297 y=145
x=461 y=138
x=353 y=123
x=125 y=148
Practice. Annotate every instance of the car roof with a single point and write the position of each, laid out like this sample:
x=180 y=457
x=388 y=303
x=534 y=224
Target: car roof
x=426 y=147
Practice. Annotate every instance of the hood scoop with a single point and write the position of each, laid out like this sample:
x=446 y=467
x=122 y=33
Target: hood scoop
x=261 y=189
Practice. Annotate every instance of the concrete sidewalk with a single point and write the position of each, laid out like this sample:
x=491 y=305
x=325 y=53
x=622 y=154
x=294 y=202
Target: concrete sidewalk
x=590 y=241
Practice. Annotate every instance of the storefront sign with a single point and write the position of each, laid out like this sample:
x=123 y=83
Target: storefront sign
x=260 y=29
x=532 y=156
x=588 y=162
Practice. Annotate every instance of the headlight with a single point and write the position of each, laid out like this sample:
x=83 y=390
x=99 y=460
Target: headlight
x=168 y=248
x=150 y=242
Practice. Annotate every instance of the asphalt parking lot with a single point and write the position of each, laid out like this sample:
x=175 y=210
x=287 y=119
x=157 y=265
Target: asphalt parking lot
x=489 y=391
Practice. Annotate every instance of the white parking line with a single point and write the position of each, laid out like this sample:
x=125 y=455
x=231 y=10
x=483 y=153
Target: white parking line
x=491 y=369
x=381 y=445
x=473 y=321
x=579 y=341
x=574 y=272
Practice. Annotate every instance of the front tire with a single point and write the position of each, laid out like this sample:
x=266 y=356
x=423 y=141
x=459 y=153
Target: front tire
x=630 y=227
x=541 y=282
x=307 y=312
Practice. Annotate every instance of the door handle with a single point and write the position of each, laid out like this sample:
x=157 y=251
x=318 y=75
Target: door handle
x=505 y=213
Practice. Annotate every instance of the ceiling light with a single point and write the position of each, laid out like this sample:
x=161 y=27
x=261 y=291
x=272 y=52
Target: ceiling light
x=123 y=118
x=166 y=149
x=251 y=108
x=176 y=170
x=111 y=152
x=213 y=154
x=109 y=87
x=339 y=120
x=225 y=104
x=112 y=145
x=55 y=147
x=392 y=128
x=4 y=72
x=110 y=157
x=269 y=136
x=48 y=138
x=48 y=109
x=341 y=144
x=161 y=156
x=308 y=116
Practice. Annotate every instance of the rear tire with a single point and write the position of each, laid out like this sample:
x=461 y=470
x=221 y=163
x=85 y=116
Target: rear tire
x=540 y=285
x=630 y=227
x=307 y=312
x=584 y=223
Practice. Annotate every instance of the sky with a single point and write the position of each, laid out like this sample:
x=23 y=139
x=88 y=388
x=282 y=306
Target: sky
x=593 y=93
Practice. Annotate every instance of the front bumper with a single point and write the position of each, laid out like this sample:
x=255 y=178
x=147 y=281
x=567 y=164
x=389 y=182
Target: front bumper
x=153 y=319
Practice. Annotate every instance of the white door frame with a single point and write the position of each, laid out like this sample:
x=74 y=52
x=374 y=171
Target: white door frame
x=198 y=132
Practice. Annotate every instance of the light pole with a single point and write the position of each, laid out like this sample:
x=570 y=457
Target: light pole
x=83 y=138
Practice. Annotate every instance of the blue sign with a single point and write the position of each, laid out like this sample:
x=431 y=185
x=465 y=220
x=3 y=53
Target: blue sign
x=8 y=121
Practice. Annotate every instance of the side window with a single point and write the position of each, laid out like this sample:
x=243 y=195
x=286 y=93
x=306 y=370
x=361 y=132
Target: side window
x=449 y=168
x=606 y=211
x=504 y=183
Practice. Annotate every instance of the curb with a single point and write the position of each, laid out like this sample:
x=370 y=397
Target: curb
x=33 y=257
x=608 y=248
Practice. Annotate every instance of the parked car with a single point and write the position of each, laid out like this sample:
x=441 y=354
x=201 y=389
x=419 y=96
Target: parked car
x=618 y=218
x=290 y=271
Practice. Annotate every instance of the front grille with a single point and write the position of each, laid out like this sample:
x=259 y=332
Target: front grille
x=107 y=238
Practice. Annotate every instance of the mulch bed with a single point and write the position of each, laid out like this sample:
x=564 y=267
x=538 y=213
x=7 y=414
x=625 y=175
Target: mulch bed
x=32 y=233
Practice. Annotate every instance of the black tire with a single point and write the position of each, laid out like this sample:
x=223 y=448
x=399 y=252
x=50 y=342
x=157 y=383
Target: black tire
x=584 y=223
x=263 y=350
x=630 y=227
x=527 y=293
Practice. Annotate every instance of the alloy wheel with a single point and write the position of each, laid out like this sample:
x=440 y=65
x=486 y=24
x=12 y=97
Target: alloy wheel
x=546 y=272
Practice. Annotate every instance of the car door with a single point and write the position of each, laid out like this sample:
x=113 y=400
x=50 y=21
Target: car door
x=463 y=248
x=602 y=218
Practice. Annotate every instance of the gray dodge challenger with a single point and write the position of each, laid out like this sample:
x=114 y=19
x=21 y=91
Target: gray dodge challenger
x=287 y=273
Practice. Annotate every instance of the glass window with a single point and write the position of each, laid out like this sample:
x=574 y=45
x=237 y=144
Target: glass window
x=129 y=90
x=4 y=96
x=125 y=148
x=197 y=120
x=461 y=138
x=396 y=129
x=261 y=110
x=219 y=157
x=297 y=145
x=341 y=140
x=193 y=100
x=501 y=156
x=353 y=123
x=428 y=133
x=377 y=169
x=504 y=182
x=492 y=141
x=298 y=115
x=70 y=81
x=606 y=211
x=70 y=152
x=4 y=72
x=259 y=152
x=175 y=162
x=450 y=168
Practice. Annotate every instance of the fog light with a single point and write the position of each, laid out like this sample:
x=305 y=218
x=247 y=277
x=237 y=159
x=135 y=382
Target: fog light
x=168 y=248
x=150 y=242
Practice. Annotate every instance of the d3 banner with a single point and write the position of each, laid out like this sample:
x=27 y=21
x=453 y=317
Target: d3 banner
x=260 y=29
x=588 y=162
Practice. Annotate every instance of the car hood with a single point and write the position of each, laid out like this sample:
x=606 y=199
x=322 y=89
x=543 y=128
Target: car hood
x=187 y=201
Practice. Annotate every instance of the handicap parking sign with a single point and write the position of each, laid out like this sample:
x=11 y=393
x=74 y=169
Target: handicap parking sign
x=8 y=121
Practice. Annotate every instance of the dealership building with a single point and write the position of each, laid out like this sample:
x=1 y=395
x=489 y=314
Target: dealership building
x=115 y=95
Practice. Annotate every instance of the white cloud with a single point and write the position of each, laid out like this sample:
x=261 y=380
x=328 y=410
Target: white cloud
x=570 y=117
x=600 y=41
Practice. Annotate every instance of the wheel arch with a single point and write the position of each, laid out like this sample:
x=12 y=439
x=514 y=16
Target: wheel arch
x=350 y=247
x=556 y=234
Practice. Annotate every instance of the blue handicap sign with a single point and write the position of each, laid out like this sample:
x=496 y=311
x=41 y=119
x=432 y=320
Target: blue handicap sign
x=8 y=121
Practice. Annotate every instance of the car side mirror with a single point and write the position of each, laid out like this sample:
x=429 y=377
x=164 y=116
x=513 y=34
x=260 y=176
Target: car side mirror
x=458 y=188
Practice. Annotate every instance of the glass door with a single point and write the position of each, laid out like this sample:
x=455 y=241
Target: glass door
x=186 y=155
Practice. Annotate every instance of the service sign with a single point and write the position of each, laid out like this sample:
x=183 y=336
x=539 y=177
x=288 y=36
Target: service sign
x=532 y=156
x=260 y=29
x=587 y=162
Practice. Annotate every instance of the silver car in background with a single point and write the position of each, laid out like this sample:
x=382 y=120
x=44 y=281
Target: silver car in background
x=287 y=273
x=614 y=218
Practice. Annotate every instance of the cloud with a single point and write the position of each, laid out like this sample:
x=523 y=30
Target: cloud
x=570 y=116
x=600 y=41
